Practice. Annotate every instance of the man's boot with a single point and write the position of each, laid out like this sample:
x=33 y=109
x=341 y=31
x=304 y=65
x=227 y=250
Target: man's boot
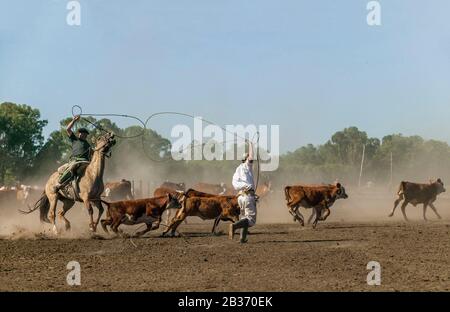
x=243 y=223
x=244 y=232
x=66 y=177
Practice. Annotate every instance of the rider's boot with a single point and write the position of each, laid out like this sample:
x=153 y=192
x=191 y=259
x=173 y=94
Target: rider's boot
x=63 y=181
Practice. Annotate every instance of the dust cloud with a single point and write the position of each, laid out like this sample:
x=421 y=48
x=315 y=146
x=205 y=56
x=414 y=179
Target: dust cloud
x=369 y=203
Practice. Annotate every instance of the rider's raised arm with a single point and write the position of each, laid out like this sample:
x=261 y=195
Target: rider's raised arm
x=70 y=125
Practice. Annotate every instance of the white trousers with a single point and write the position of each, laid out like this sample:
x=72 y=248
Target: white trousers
x=247 y=203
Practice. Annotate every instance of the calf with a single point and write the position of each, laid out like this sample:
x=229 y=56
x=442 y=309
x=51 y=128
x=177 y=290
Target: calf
x=415 y=193
x=131 y=212
x=206 y=206
x=121 y=190
x=214 y=189
x=174 y=186
x=162 y=191
x=318 y=197
x=233 y=201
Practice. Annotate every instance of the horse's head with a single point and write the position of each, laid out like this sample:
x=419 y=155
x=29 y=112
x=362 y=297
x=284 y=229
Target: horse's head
x=105 y=142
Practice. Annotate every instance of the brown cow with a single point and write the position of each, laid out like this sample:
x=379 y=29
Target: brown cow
x=318 y=197
x=162 y=191
x=115 y=191
x=131 y=212
x=222 y=189
x=205 y=206
x=174 y=186
x=215 y=189
x=232 y=198
x=415 y=193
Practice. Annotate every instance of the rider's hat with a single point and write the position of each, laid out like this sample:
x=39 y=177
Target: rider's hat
x=83 y=130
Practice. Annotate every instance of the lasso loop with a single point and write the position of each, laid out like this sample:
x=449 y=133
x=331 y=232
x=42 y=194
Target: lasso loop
x=145 y=123
x=257 y=159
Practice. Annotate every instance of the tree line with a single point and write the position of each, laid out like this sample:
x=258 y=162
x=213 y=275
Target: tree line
x=25 y=155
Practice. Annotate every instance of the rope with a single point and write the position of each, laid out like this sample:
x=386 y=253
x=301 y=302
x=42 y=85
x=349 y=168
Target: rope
x=257 y=161
x=145 y=123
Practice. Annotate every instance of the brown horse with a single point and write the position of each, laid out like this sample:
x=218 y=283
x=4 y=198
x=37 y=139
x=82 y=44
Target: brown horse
x=90 y=189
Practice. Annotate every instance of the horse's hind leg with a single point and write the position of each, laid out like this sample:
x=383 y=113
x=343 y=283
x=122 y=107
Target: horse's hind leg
x=67 y=204
x=52 y=213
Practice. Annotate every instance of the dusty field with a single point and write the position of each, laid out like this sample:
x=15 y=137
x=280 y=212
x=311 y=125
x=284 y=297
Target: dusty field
x=279 y=257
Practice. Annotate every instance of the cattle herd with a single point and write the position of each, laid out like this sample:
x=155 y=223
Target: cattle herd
x=218 y=202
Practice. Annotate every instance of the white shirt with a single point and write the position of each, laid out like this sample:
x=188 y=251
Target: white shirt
x=243 y=177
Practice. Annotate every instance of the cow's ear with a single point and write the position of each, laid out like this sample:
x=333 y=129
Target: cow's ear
x=439 y=180
x=338 y=185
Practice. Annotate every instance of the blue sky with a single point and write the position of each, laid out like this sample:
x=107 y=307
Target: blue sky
x=313 y=67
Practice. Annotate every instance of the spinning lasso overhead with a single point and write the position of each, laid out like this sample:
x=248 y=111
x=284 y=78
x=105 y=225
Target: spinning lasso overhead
x=145 y=123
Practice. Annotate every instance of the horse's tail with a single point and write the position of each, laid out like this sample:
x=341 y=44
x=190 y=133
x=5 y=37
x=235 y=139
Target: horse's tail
x=106 y=203
x=43 y=204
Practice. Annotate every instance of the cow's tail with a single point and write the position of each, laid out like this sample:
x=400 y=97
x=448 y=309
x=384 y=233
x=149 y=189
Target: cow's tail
x=287 y=194
x=401 y=188
x=43 y=204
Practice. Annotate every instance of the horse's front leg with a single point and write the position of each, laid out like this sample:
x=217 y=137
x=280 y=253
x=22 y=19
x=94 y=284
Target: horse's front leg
x=99 y=206
x=88 y=206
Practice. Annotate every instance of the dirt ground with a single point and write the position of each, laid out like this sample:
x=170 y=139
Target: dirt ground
x=280 y=255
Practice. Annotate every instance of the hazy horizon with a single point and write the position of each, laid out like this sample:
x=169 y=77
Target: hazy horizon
x=312 y=67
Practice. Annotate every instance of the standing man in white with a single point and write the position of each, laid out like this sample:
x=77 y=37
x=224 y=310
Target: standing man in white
x=243 y=182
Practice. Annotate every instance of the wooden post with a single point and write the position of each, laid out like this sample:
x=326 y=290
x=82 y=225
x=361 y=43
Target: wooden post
x=392 y=172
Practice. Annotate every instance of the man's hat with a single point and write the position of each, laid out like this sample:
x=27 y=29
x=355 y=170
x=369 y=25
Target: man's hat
x=245 y=156
x=83 y=130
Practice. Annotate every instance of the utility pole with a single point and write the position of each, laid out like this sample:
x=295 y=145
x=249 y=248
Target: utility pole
x=392 y=172
x=362 y=165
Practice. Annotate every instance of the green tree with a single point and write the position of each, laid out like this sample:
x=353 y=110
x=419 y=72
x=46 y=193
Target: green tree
x=20 y=140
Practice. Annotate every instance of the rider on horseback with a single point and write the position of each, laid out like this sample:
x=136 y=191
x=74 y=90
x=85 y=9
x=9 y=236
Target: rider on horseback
x=81 y=153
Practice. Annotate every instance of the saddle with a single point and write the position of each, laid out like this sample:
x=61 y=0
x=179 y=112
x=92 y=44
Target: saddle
x=72 y=189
